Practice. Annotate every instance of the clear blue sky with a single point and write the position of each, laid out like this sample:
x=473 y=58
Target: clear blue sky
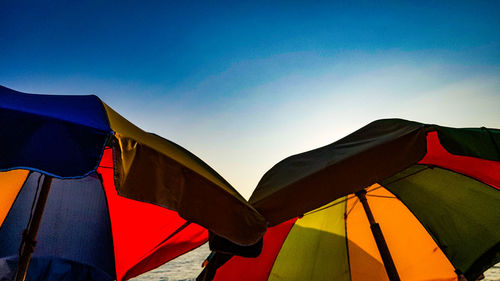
x=245 y=84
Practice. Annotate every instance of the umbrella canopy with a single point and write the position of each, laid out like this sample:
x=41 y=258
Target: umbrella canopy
x=122 y=201
x=395 y=200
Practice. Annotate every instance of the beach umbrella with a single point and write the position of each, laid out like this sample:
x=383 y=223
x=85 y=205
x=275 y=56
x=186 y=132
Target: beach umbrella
x=101 y=198
x=395 y=200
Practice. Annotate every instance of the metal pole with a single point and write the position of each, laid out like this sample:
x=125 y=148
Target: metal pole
x=29 y=234
x=390 y=268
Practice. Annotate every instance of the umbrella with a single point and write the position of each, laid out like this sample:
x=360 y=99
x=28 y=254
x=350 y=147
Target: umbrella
x=395 y=200
x=101 y=198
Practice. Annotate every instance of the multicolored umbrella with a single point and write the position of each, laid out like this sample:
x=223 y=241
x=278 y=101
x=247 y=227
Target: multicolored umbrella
x=395 y=200
x=112 y=201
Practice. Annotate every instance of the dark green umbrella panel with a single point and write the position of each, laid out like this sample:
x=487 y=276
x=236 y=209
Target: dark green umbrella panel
x=433 y=192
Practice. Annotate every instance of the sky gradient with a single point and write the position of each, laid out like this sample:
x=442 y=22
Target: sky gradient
x=246 y=84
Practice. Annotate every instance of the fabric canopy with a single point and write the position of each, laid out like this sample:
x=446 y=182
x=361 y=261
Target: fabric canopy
x=155 y=200
x=421 y=197
x=369 y=155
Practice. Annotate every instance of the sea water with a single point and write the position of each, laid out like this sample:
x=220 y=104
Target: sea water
x=184 y=268
x=188 y=266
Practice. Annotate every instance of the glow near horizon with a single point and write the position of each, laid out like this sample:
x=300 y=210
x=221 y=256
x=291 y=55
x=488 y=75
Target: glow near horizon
x=243 y=136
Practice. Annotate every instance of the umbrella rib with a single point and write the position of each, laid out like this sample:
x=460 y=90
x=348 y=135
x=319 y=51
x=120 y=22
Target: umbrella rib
x=354 y=197
x=407 y=176
x=378 y=187
x=34 y=201
x=381 y=196
x=32 y=206
x=329 y=206
x=350 y=210
x=186 y=224
x=28 y=241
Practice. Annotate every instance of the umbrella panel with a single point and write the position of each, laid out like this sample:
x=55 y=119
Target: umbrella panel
x=11 y=183
x=75 y=226
x=483 y=170
x=87 y=224
x=257 y=269
x=453 y=208
x=452 y=196
x=145 y=235
x=64 y=137
x=334 y=242
x=415 y=254
x=315 y=248
x=46 y=132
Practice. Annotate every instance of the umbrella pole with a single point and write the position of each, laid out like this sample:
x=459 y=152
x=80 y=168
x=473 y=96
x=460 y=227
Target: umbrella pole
x=29 y=235
x=390 y=268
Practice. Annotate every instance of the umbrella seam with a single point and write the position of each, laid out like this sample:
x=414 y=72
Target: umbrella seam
x=406 y=176
x=99 y=176
x=326 y=207
x=347 y=241
x=284 y=240
x=350 y=210
x=456 y=172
